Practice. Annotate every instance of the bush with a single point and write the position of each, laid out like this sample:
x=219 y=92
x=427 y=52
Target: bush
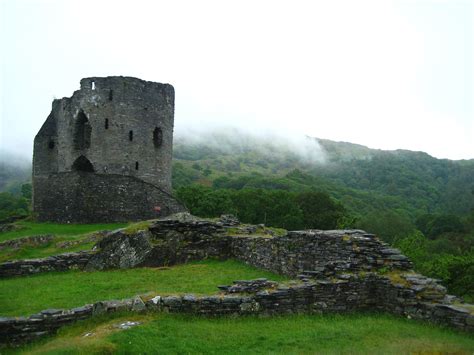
x=12 y=207
x=277 y=208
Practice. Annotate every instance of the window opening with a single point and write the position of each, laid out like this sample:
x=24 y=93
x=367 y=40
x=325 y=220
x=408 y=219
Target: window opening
x=157 y=137
x=106 y=123
x=82 y=132
x=136 y=165
x=130 y=136
x=93 y=85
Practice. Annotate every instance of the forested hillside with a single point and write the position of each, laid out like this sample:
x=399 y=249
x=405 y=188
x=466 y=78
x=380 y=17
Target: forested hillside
x=15 y=170
x=412 y=182
x=419 y=203
x=15 y=186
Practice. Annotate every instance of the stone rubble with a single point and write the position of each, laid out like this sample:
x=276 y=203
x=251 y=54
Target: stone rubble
x=126 y=325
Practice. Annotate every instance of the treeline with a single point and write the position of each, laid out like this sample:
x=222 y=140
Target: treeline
x=442 y=246
x=15 y=205
x=276 y=208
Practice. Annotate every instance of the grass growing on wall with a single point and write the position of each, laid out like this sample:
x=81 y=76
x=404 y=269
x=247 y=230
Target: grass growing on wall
x=295 y=334
x=30 y=294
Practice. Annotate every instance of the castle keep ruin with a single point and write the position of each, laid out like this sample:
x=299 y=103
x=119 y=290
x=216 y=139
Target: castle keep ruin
x=104 y=154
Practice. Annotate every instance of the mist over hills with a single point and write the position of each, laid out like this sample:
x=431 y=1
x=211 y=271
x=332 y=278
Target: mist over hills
x=15 y=170
x=362 y=178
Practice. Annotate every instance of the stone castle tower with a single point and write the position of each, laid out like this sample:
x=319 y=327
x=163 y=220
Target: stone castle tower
x=104 y=154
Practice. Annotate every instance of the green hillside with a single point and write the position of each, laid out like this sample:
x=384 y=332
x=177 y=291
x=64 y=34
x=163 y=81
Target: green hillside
x=411 y=181
x=423 y=205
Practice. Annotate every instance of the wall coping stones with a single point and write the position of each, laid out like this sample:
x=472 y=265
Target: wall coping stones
x=60 y=262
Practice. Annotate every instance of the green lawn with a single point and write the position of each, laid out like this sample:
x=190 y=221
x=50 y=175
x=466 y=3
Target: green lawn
x=34 y=228
x=30 y=294
x=295 y=334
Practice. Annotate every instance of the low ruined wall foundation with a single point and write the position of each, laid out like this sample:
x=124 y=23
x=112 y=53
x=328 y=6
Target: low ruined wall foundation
x=332 y=271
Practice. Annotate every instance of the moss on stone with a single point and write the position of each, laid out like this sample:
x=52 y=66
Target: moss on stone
x=135 y=227
x=396 y=277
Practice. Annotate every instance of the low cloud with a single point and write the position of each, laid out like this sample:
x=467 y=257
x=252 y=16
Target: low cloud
x=229 y=140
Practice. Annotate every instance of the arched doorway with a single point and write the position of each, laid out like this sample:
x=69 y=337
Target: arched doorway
x=83 y=164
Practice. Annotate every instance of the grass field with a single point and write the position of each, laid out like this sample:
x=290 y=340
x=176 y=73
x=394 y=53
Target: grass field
x=295 y=334
x=30 y=294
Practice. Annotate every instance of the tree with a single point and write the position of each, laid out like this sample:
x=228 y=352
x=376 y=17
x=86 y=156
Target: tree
x=320 y=211
x=26 y=191
x=12 y=206
x=388 y=225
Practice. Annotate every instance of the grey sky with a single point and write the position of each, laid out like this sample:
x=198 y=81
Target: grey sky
x=384 y=74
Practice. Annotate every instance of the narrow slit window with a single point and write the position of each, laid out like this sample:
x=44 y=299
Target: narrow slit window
x=111 y=94
x=106 y=123
x=130 y=136
x=136 y=165
x=157 y=137
x=93 y=85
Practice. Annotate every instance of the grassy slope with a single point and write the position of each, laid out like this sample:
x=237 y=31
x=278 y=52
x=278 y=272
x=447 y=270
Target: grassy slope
x=302 y=334
x=26 y=295
x=61 y=232
x=34 y=228
x=42 y=251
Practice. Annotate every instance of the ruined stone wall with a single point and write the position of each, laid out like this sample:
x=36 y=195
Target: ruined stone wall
x=99 y=198
x=304 y=254
x=332 y=271
x=350 y=293
x=61 y=262
x=318 y=253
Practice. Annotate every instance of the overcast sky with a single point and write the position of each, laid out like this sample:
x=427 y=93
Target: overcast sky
x=379 y=73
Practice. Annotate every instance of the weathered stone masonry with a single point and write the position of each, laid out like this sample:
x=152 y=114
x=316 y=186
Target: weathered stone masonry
x=61 y=262
x=321 y=253
x=104 y=154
